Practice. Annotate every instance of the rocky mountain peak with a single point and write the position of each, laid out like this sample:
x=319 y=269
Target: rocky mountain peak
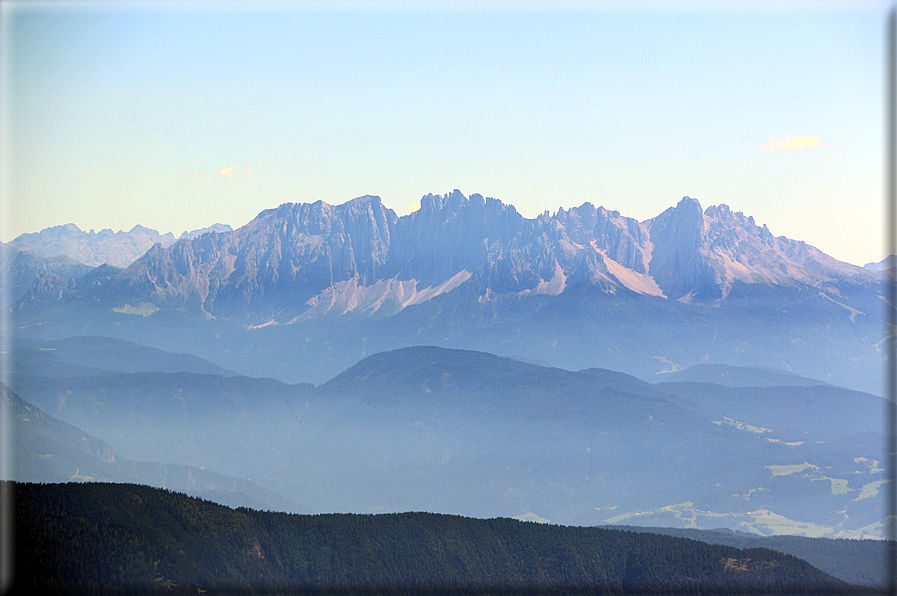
x=301 y=258
x=687 y=212
x=678 y=263
x=92 y=248
x=884 y=269
x=216 y=228
x=616 y=237
x=452 y=201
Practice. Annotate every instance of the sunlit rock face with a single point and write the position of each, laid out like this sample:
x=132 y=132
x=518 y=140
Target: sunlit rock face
x=699 y=255
x=312 y=260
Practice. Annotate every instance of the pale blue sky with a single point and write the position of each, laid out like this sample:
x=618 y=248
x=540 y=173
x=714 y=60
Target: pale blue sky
x=119 y=114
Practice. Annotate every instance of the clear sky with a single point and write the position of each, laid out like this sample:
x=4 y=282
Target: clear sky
x=176 y=116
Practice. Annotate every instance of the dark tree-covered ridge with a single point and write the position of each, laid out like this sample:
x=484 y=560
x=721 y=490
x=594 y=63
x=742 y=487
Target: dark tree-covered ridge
x=118 y=538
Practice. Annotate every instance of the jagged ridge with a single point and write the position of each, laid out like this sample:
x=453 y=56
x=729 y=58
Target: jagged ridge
x=301 y=261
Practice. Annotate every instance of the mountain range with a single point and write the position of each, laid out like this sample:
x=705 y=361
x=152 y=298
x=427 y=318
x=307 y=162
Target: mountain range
x=302 y=261
x=105 y=247
x=690 y=370
x=305 y=290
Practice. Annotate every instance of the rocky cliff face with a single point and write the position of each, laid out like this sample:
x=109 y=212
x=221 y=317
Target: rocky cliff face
x=301 y=261
x=19 y=270
x=273 y=264
x=699 y=256
x=620 y=238
x=679 y=261
x=453 y=233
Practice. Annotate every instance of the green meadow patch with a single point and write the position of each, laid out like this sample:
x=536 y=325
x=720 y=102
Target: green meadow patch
x=774 y=523
x=142 y=310
x=870 y=490
x=790 y=469
x=839 y=485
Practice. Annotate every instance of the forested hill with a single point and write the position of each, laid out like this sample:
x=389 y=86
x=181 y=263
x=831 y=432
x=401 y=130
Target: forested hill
x=860 y=562
x=118 y=538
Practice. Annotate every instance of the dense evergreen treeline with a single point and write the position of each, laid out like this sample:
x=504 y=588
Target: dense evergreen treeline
x=860 y=562
x=116 y=538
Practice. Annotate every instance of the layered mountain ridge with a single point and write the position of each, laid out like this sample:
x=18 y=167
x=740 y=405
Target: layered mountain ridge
x=20 y=269
x=459 y=431
x=308 y=261
x=105 y=247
